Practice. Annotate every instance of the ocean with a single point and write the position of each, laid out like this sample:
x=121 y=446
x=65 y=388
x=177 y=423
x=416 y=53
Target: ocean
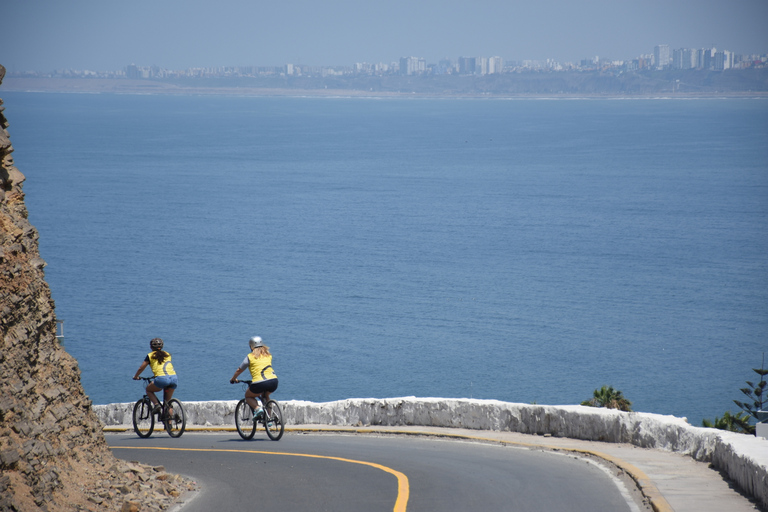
x=521 y=250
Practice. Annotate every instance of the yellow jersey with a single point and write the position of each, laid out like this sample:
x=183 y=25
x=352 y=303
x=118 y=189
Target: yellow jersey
x=158 y=368
x=260 y=368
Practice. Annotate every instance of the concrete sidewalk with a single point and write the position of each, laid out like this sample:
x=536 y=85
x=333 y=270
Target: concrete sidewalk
x=670 y=481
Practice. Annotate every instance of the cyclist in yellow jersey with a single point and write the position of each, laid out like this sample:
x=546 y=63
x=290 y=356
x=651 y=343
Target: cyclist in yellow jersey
x=264 y=379
x=165 y=377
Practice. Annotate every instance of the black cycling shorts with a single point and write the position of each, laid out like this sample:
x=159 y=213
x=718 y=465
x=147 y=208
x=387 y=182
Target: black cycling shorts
x=262 y=386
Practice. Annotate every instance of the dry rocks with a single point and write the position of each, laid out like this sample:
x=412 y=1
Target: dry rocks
x=133 y=486
x=53 y=455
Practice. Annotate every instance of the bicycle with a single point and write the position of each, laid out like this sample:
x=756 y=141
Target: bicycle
x=246 y=424
x=144 y=418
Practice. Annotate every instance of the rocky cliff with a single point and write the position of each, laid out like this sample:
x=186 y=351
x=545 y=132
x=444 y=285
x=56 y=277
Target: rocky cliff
x=53 y=455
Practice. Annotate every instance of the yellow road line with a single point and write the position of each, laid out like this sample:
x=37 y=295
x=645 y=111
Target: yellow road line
x=643 y=481
x=403 y=488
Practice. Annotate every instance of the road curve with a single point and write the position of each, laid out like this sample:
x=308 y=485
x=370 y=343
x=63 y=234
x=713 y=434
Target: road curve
x=338 y=472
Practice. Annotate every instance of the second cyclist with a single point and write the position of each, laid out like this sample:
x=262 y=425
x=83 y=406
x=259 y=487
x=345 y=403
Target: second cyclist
x=264 y=380
x=165 y=377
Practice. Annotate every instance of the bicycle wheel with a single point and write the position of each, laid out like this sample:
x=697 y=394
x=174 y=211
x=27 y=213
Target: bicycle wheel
x=273 y=421
x=244 y=422
x=143 y=419
x=177 y=420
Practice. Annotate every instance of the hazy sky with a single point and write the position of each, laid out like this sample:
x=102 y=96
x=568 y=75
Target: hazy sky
x=44 y=35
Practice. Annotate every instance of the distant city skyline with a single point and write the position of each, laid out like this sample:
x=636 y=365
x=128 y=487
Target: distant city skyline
x=662 y=58
x=178 y=34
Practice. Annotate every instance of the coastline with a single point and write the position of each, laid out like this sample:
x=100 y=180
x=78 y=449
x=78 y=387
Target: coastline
x=153 y=87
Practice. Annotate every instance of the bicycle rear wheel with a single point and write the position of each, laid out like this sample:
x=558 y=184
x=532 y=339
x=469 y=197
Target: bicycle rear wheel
x=273 y=421
x=143 y=419
x=176 y=422
x=244 y=422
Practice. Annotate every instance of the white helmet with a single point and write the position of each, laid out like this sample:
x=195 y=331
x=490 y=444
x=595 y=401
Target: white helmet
x=255 y=342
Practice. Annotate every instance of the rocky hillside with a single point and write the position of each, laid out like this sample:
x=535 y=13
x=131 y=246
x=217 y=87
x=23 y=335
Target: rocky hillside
x=53 y=455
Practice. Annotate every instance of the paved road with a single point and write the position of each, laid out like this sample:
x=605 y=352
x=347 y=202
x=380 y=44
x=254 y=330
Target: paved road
x=338 y=472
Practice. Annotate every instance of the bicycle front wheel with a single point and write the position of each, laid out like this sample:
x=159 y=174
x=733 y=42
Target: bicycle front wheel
x=175 y=419
x=143 y=419
x=273 y=421
x=244 y=422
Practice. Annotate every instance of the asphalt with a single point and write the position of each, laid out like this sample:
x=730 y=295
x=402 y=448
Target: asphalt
x=670 y=482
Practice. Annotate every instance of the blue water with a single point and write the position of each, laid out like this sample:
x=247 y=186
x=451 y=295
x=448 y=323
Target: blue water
x=527 y=251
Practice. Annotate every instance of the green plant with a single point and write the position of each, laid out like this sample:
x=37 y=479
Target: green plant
x=756 y=394
x=609 y=398
x=738 y=422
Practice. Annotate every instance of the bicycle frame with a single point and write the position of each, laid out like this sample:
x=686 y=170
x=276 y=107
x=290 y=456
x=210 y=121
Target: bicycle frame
x=144 y=415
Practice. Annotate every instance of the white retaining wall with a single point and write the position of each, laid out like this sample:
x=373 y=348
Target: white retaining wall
x=743 y=458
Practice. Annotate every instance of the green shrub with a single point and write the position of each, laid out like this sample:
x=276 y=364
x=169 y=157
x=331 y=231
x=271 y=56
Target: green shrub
x=738 y=422
x=609 y=398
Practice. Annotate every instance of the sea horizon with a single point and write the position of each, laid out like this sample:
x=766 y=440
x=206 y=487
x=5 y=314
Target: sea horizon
x=158 y=87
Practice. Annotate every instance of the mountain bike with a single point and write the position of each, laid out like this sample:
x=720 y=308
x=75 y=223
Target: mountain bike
x=246 y=424
x=171 y=415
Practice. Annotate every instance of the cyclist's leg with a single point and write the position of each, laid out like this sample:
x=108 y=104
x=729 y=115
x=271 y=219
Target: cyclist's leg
x=151 y=390
x=169 y=384
x=251 y=397
x=272 y=387
x=260 y=390
x=167 y=395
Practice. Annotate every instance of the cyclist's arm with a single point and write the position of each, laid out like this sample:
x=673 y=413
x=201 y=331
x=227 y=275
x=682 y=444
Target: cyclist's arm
x=234 y=377
x=141 y=369
x=240 y=369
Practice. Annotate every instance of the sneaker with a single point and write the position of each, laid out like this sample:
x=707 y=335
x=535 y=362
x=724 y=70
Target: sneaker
x=157 y=409
x=258 y=413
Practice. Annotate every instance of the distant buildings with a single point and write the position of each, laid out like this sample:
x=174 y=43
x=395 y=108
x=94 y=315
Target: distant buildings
x=412 y=66
x=661 y=59
x=723 y=60
x=712 y=59
x=495 y=65
x=661 y=56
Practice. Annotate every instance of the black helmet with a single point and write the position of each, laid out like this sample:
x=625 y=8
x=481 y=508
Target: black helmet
x=156 y=344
